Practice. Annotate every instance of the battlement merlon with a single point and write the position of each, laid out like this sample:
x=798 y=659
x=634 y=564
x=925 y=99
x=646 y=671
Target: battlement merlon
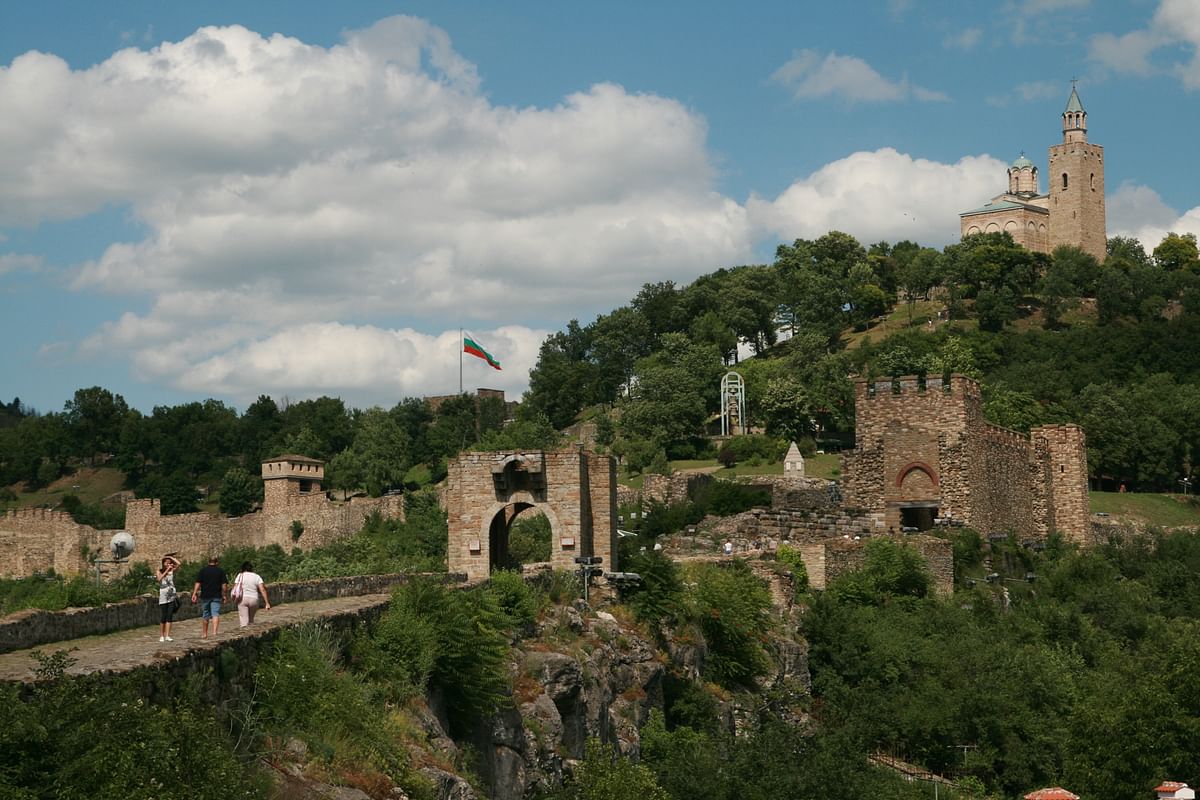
x=959 y=385
x=294 y=467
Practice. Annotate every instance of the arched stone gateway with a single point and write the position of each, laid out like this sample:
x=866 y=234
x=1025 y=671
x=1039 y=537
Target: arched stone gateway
x=575 y=489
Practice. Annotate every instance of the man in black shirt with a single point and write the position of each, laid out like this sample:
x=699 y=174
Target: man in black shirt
x=212 y=586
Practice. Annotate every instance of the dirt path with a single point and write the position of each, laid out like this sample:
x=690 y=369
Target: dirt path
x=130 y=649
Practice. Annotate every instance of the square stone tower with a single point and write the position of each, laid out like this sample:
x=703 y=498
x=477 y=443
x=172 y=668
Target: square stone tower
x=1076 y=190
x=290 y=476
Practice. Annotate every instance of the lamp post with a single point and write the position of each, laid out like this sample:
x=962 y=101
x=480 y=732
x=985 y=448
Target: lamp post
x=588 y=566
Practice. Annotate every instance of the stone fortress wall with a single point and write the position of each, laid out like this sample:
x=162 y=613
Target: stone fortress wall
x=923 y=444
x=34 y=540
x=485 y=491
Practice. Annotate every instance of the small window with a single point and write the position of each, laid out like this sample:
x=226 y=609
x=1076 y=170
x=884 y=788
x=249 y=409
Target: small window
x=1093 y=181
x=1064 y=180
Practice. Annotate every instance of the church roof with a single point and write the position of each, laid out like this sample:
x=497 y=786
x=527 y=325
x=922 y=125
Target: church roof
x=1073 y=104
x=1003 y=203
x=1022 y=161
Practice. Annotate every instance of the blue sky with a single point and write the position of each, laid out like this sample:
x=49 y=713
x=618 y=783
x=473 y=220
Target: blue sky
x=226 y=199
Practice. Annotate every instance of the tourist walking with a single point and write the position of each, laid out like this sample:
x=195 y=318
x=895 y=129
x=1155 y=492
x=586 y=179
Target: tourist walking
x=168 y=598
x=248 y=589
x=211 y=587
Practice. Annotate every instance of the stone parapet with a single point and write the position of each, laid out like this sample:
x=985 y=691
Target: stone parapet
x=33 y=627
x=39 y=540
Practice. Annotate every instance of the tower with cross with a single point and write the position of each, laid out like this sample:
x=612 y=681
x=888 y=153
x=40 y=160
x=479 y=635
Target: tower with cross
x=1072 y=210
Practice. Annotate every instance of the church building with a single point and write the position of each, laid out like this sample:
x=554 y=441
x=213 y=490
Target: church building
x=1072 y=210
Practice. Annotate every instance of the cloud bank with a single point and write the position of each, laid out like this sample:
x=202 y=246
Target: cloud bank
x=1174 y=27
x=809 y=75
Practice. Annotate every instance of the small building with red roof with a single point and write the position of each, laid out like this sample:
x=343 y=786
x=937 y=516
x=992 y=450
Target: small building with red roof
x=1174 y=790
x=1053 y=793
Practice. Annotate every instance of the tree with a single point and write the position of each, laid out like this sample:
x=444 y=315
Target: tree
x=676 y=388
x=603 y=775
x=239 y=492
x=787 y=409
x=327 y=420
x=562 y=380
x=177 y=494
x=1177 y=252
x=93 y=418
x=919 y=275
x=378 y=456
x=456 y=426
x=259 y=426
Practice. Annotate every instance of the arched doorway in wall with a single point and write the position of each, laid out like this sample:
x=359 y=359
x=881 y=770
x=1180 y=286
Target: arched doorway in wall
x=920 y=496
x=519 y=534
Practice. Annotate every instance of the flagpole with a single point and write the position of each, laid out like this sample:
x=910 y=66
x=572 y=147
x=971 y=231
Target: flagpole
x=460 y=352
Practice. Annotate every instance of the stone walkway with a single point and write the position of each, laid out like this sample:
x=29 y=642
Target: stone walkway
x=127 y=650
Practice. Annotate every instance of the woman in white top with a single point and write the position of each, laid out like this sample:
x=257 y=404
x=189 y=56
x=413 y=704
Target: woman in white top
x=252 y=588
x=166 y=596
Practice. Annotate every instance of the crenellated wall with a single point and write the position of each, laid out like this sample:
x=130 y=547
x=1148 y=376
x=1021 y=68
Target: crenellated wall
x=38 y=540
x=925 y=444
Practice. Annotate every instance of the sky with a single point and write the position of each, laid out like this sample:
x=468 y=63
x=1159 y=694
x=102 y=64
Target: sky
x=227 y=199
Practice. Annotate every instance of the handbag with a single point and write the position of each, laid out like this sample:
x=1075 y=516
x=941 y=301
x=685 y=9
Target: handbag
x=235 y=594
x=175 y=604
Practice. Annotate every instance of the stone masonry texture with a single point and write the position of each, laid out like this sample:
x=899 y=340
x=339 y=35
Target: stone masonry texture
x=924 y=443
x=575 y=489
x=34 y=540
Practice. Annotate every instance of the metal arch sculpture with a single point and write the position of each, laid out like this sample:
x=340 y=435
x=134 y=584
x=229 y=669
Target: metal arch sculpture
x=733 y=404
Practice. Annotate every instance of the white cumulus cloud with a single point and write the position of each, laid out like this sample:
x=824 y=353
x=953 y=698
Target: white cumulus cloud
x=363 y=191
x=810 y=75
x=1175 y=26
x=883 y=194
x=1138 y=211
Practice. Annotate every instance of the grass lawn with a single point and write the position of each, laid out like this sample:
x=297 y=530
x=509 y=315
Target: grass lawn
x=824 y=465
x=93 y=486
x=897 y=320
x=1164 y=510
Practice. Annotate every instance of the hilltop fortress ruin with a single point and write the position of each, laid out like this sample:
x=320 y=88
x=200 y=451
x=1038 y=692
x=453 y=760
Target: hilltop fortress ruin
x=923 y=453
x=36 y=540
x=924 y=457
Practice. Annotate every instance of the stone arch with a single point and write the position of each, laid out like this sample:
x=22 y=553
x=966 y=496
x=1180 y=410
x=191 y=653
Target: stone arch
x=992 y=228
x=1010 y=226
x=1065 y=181
x=971 y=231
x=916 y=466
x=575 y=489
x=497 y=521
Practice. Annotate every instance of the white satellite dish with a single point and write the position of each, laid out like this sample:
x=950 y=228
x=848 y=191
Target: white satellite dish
x=121 y=544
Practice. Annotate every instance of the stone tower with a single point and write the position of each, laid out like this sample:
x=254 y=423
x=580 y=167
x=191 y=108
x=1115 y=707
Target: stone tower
x=288 y=477
x=1023 y=177
x=1077 y=186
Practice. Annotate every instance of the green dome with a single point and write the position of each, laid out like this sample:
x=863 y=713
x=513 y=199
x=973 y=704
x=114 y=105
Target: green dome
x=1022 y=162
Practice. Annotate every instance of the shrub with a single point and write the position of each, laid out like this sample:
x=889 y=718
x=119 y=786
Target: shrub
x=890 y=569
x=660 y=597
x=732 y=607
x=465 y=659
x=516 y=599
x=726 y=498
x=51 y=742
x=790 y=557
x=304 y=692
x=602 y=775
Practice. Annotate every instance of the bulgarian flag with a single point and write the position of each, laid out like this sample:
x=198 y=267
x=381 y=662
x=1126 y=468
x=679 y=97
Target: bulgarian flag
x=472 y=347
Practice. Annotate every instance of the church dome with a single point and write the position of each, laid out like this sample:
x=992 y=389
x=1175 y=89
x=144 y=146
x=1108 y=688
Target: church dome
x=1022 y=162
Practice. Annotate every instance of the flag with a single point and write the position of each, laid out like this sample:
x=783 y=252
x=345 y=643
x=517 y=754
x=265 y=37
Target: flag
x=469 y=346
